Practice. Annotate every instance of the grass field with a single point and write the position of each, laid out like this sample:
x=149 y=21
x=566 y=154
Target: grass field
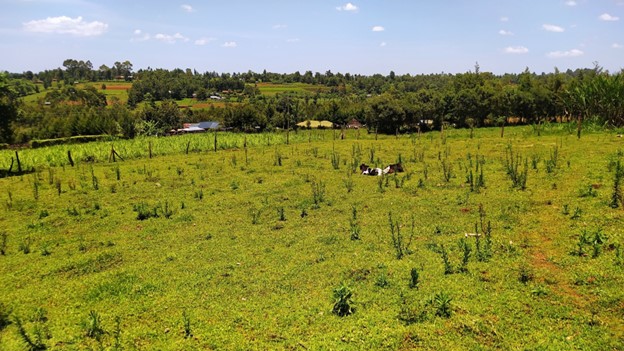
x=250 y=248
x=271 y=89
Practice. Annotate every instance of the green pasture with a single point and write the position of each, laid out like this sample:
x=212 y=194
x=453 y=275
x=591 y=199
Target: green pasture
x=271 y=89
x=244 y=247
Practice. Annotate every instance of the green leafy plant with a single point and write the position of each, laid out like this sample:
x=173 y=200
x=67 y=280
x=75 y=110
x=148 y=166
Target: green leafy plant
x=525 y=274
x=513 y=162
x=335 y=159
x=318 y=193
x=448 y=268
x=354 y=226
x=442 y=304
x=466 y=249
x=92 y=325
x=24 y=245
x=382 y=280
x=186 y=325
x=343 y=301
x=414 y=279
x=401 y=247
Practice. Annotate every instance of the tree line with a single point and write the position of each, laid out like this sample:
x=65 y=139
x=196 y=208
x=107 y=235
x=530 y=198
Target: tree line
x=386 y=103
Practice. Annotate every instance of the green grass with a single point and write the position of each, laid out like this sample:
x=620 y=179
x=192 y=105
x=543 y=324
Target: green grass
x=255 y=265
x=272 y=89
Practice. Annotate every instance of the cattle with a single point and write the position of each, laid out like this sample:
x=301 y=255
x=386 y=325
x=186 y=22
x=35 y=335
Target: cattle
x=393 y=168
x=370 y=171
x=396 y=167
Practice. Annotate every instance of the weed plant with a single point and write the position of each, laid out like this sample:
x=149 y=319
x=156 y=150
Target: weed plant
x=343 y=301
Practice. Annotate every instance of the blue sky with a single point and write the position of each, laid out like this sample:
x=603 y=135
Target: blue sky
x=284 y=36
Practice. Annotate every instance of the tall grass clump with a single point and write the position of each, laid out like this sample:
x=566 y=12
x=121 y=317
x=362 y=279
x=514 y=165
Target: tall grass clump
x=401 y=247
x=354 y=225
x=92 y=325
x=186 y=325
x=552 y=162
x=513 y=163
x=484 y=250
x=475 y=179
x=335 y=159
x=616 y=194
x=318 y=193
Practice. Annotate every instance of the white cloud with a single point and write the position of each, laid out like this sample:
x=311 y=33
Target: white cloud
x=347 y=7
x=140 y=36
x=280 y=26
x=204 y=41
x=617 y=46
x=66 y=25
x=570 y=3
x=170 y=39
x=505 y=32
x=504 y=19
x=229 y=44
x=607 y=17
x=553 y=28
x=516 y=50
x=383 y=44
x=187 y=8
x=378 y=29
x=293 y=40
x=562 y=54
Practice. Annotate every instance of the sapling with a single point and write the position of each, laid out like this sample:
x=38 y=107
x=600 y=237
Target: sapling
x=448 y=268
x=467 y=251
x=342 y=301
x=92 y=326
x=442 y=303
x=186 y=325
x=414 y=279
x=354 y=225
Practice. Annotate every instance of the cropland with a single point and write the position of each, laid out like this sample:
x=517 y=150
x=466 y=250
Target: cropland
x=273 y=242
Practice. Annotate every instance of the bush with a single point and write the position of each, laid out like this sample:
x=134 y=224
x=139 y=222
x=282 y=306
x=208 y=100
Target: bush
x=342 y=301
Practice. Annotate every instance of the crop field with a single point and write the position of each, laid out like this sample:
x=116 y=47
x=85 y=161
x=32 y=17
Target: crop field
x=482 y=243
x=271 y=89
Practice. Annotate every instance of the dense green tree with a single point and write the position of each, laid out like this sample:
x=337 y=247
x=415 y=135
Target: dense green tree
x=8 y=109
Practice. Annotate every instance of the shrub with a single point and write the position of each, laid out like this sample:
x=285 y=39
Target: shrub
x=342 y=301
x=414 y=279
x=448 y=268
x=525 y=274
x=442 y=303
x=92 y=326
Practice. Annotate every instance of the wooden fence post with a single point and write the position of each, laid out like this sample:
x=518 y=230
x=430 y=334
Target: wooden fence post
x=69 y=157
x=19 y=164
